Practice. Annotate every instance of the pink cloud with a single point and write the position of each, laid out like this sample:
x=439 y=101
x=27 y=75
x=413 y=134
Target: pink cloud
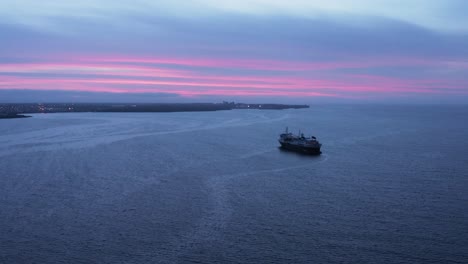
x=263 y=64
x=126 y=74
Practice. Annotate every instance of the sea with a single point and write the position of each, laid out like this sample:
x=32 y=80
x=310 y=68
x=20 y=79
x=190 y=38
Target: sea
x=391 y=186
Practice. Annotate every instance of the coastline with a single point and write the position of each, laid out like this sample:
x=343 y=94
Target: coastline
x=16 y=110
x=12 y=116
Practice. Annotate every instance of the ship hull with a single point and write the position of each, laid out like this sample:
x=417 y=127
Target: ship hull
x=301 y=149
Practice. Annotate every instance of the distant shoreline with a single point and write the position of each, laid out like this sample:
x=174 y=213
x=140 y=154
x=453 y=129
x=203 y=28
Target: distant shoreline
x=12 y=116
x=16 y=110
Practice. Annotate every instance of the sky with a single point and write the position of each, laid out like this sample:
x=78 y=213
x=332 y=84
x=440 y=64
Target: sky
x=303 y=51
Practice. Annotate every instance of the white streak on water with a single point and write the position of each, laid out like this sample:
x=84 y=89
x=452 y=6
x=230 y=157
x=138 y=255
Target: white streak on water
x=210 y=228
x=114 y=128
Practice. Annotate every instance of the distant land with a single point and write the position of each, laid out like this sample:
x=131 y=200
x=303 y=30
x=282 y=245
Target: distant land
x=14 y=110
x=11 y=115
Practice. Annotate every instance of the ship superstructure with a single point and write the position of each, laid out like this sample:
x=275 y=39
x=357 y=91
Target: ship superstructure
x=300 y=143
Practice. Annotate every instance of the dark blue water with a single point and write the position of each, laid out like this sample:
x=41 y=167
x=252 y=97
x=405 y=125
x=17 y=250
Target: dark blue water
x=390 y=187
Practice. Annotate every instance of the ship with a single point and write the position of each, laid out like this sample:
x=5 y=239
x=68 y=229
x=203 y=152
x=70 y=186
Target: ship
x=300 y=143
